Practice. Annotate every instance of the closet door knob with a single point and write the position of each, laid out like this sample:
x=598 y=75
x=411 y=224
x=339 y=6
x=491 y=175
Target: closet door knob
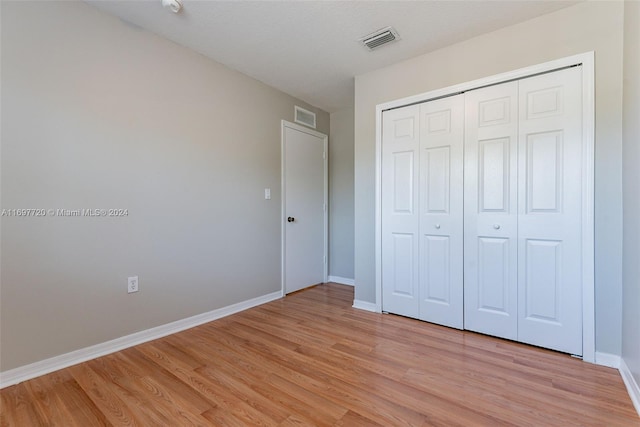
x=438 y=226
x=496 y=226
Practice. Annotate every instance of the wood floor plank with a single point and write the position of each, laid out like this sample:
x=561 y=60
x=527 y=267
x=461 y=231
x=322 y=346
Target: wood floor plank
x=83 y=411
x=103 y=395
x=353 y=419
x=383 y=403
x=260 y=374
x=310 y=359
x=46 y=392
x=168 y=388
x=128 y=390
x=210 y=388
x=18 y=407
x=170 y=400
x=307 y=374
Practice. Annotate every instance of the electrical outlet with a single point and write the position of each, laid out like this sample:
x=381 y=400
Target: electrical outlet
x=132 y=284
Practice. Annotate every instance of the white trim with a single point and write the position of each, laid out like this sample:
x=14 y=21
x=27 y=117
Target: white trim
x=631 y=383
x=583 y=58
x=378 y=195
x=283 y=192
x=283 y=205
x=27 y=372
x=607 y=359
x=588 y=208
x=588 y=259
x=342 y=280
x=365 y=305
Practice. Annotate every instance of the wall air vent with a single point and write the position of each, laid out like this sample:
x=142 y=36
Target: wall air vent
x=304 y=117
x=380 y=37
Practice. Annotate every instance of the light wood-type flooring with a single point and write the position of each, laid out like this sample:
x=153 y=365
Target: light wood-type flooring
x=311 y=359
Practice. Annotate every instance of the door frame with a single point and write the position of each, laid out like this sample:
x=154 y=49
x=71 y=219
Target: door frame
x=283 y=186
x=586 y=60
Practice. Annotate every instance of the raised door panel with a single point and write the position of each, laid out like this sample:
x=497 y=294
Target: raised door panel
x=436 y=260
x=542 y=280
x=400 y=219
x=490 y=210
x=441 y=208
x=549 y=211
x=401 y=266
x=493 y=275
x=544 y=152
x=402 y=182
x=493 y=175
x=437 y=180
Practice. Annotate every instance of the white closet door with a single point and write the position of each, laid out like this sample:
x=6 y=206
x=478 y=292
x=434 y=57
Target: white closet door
x=441 y=240
x=490 y=210
x=400 y=217
x=549 y=211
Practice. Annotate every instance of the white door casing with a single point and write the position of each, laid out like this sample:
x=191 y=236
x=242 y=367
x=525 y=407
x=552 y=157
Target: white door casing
x=441 y=239
x=400 y=236
x=304 y=207
x=549 y=211
x=490 y=206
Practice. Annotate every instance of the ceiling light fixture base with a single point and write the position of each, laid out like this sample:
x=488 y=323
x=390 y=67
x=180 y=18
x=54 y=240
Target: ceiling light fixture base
x=173 y=5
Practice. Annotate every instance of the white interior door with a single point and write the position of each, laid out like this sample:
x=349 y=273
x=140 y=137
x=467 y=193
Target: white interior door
x=490 y=210
x=441 y=240
x=527 y=206
x=400 y=219
x=304 y=163
x=549 y=211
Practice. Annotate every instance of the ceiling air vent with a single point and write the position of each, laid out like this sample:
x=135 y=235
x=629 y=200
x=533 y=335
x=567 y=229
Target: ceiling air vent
x=380 y=37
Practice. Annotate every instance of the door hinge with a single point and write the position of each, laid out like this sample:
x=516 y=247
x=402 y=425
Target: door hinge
x=324 y=207
x=324 y=155
x=324 y=259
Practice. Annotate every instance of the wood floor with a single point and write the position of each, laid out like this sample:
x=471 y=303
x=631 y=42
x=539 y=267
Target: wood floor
x=311 y=359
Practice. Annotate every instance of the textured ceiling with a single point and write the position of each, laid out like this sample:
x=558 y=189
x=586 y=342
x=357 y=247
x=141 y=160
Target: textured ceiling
x=310 y=49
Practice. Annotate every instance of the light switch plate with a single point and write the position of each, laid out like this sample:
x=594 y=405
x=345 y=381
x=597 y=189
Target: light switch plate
x=267 y=194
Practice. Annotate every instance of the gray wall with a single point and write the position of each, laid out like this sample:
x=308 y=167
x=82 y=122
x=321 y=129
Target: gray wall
x=631 y=190
x=341 y=194
x=98 y=114
x=589 y=26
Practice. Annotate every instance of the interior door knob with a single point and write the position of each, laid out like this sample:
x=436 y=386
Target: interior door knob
x=290 y=219
x=496 y=226
x=438 y=226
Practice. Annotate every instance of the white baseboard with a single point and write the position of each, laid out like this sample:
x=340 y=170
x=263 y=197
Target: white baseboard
x=631 y=383
x=365 y=305
x=607 y=359
x=615 y=361
x=27 y=372
x=342 y=280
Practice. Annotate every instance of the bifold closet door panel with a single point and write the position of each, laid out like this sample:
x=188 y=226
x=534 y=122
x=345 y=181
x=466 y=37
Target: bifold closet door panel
x=549 y=211
x=400 y=216
x=490 y=210
x=441 y=239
